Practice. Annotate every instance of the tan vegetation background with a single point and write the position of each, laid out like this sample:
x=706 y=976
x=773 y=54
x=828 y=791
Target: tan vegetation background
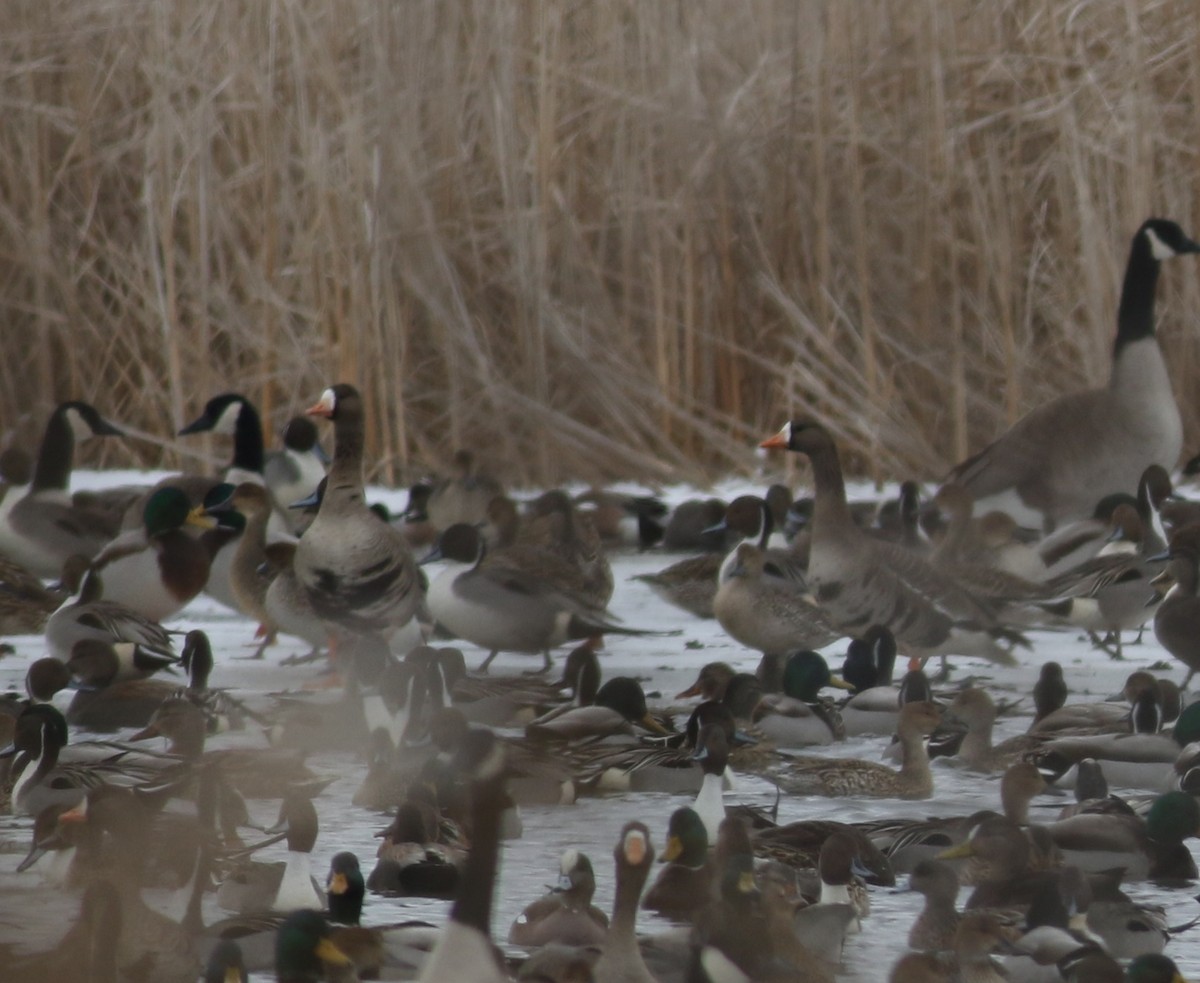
x=592 y=239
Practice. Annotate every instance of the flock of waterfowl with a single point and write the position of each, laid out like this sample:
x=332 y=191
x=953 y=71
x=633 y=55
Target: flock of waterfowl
x=127 y=774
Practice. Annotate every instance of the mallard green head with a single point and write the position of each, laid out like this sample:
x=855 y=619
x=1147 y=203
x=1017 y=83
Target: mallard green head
x=687 y=839
x=1173 y=817
x=1154 y=968
x=805 y=674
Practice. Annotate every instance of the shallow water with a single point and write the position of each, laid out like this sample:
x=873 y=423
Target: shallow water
x=668 y=665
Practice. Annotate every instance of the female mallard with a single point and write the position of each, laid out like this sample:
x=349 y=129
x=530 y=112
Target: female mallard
x=853 y=776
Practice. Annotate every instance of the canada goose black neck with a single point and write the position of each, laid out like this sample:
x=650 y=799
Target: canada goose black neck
x=1156 y=240
x=57 y=452
x=248 y=440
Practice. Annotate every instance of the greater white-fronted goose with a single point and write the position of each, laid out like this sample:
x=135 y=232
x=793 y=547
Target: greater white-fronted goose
x=1050 y=465
x=860 y=581
x=357 y=571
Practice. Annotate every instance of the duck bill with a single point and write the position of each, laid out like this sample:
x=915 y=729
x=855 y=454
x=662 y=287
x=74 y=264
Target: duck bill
x=693 y=690
x=957 y=852
x=330 y=954
x=672 y=851
x=338 y=884
x=654 y=726
x=200 y=518
x=840 y=683
x=36 y=852
x=147 y=732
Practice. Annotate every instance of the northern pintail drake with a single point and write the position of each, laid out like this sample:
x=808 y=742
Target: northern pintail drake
x=356 y=571
x=767 y=612
x=255 y=886
x=684 y=885
x=506 y=610
x=463 y=495
x=712 y=755
x=87 y=615
x=158 y=568
x=798 y=716
x=853 y=776
x=44 y=526
x=464 y=950
x=860 y=581
x=620 y=958
x=114 y=688
x=566 y=915
x=1047 y=468
x=293 y=473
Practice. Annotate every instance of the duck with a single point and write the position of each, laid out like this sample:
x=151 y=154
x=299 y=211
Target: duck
x=740 y=692
x=876 y=708
x=1154 y=968
x=293 y=472
x=690 y=583
x=225 y=964
x=157 y=569
x=112 y=692
x=1145 y=761
x=552 y=523
x=1049 y=692
x=1148 y=849
x=464 y=949
x=767 y=612
x=25 y=602
x=356 y=571
x=616 y=706
x=1178 y=615
x=255 y=886
x=860 y=581
x=620 y=958
x=685 y=883
x=935 y=926
x=797 y=717
x=712 y=754
x=1046 y=468
x=305 y=951
x=464 y=495
x=853 y=776
x=509 y=610
x=412 y=859
x=86 y=614
x=45 y=526
x=565 y=916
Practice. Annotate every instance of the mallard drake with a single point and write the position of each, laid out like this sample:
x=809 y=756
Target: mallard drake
x=44 y=526
x=566 y=915
x=1154 y=968
x=767 y=612
x=853 y=776
x=356 y=571
x=1048 y=466
x=797 y=717
x=937 y=923
x=85 y=614
x=860 y=581
x=304 y=950
x=875 y=707
x=225 y=964
x=614 y=709
x=158 y=568
x=256 y=886
x=620 y=958
x=684 y=885
x=464 y=949
x=1150 y=848
x=507 y=610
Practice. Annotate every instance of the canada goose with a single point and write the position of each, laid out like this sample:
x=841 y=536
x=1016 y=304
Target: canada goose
x=1049 y=466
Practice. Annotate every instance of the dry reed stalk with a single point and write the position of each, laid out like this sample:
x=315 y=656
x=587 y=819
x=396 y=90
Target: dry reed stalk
x=593 y=241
